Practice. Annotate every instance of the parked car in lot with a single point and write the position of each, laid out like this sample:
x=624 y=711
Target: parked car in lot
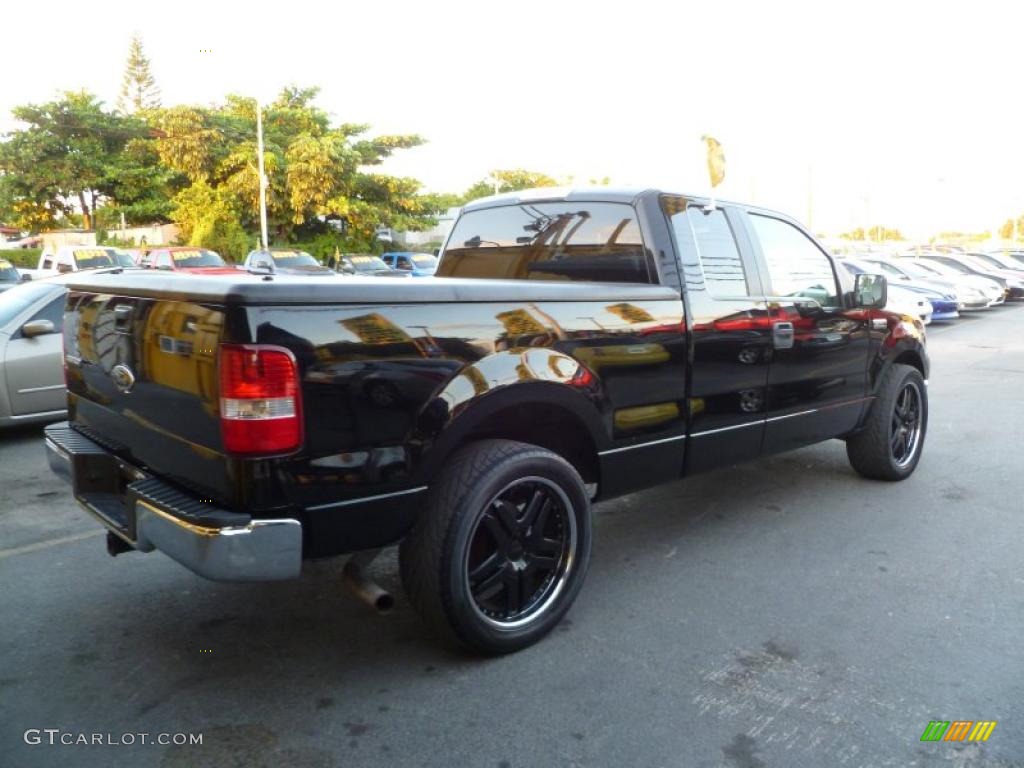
x=474 y=420
x=994 y=290
x=10 y=276
x=1012 y=284
x=286 y=261
x=907 y=300
x=31 y=369
x=187 y=259
x=1000 y=262
x=416 y=264
x=363 y=264
x=73 y=258
x=968 y=297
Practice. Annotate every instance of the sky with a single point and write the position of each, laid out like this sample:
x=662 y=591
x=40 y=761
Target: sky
x=841 y=114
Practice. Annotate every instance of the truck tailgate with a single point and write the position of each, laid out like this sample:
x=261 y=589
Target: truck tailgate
x=142 y=380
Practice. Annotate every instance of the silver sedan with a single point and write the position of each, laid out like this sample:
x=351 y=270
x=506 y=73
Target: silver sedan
x=31 y=366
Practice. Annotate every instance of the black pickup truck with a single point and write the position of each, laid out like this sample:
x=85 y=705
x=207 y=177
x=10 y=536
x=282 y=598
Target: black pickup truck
x=573 y=347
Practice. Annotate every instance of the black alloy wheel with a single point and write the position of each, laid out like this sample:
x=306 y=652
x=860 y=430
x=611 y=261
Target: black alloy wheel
x=520 y=552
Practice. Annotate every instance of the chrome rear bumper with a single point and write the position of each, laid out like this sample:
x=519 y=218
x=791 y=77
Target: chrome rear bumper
x=149 y=514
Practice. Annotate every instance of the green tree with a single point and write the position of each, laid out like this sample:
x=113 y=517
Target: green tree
x=508 y=181
x=1006 y=232
x=68 y=153
x=875 y=234
x=313 y=168
x=138 y=87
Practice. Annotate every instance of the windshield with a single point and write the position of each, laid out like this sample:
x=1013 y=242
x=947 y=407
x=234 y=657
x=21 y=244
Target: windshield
x=196 y=258
x=1001 y=260
x=424 y=260
x=889 y=269
x=8 y=274
x=978 y=264
x=944 y=268
x=366 y=263
x=294 y=259
x=93 y=258
x=916 y=269
x=19 y=298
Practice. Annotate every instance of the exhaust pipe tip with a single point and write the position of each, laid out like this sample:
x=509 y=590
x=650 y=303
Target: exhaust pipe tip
x=366 y=589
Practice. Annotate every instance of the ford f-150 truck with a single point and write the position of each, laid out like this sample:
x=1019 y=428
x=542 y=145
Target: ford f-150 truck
x=575 y=346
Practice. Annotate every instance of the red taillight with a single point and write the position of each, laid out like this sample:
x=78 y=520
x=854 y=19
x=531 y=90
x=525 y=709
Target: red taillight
x=260 y=402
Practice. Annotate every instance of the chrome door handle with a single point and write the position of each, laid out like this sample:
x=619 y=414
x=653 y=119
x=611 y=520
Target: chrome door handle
x=782 y=335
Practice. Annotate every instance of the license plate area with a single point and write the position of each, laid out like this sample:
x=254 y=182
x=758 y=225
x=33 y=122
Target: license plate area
x=101 y=484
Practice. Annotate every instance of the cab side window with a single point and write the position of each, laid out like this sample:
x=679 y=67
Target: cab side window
x=720 y=261
x=163 y=259
x=796 y=265
x=404 y=263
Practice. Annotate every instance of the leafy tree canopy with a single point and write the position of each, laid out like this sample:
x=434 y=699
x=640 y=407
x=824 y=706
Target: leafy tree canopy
x=508 y=181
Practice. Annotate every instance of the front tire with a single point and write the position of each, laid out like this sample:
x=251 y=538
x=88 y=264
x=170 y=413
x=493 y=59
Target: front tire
x=889 y=447
x=501 y=550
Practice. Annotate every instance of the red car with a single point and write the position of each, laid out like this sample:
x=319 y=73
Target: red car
x=187 y=259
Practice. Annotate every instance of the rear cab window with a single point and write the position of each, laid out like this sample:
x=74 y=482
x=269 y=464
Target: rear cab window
x=560 y=241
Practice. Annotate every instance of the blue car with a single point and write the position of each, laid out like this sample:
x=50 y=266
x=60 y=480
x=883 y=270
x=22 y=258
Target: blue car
x=416 y=264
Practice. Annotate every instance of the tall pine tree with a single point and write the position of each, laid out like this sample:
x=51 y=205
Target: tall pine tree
x=138 y=87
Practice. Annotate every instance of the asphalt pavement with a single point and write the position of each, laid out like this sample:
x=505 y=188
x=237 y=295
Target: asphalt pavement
x=783 y=613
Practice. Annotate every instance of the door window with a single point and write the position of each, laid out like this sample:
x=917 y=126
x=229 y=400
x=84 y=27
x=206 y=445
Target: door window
x=797 y=267
x=54 y=312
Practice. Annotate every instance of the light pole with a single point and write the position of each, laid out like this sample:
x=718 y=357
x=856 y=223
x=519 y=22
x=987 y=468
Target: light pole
x=263 y=176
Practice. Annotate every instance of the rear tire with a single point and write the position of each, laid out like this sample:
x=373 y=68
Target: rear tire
x=889 y=447
x=501 y=549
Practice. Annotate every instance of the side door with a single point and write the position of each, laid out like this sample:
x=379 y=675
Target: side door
x=818 y=377
x=34 y=366
x=729 y=327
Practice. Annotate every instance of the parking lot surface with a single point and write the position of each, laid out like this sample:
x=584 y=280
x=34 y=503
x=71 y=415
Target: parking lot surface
x=780 y=613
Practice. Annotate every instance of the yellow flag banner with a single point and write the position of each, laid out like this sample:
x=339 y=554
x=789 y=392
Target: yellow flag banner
x=375 y=329
x=630 y=313
x=716 y=160
x=519 y=322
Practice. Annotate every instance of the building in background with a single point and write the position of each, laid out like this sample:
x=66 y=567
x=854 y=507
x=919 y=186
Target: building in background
x=435 y=234
x=51 y=241
x=153 y=234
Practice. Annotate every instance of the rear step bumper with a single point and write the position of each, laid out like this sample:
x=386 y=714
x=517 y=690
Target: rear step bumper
x=149 y=514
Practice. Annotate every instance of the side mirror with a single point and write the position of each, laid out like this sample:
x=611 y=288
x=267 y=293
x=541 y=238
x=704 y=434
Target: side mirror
x=870 y=291
x=37 y=328
x=26 y=277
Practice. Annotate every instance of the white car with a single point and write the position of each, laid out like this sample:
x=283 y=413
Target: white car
x=969 y=297
x=907 y=302
x=73 y=258
x=992 y=290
